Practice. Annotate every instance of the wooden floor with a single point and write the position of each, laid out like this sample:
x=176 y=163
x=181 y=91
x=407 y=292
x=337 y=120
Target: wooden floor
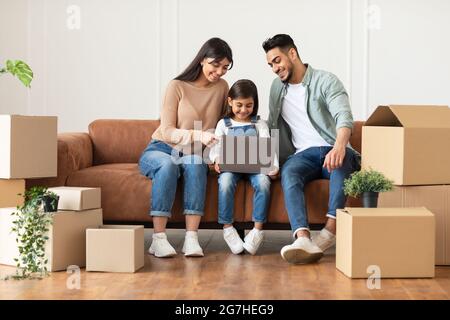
x=222 y=275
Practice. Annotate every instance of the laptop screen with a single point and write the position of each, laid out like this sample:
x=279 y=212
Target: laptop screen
x=246 y=154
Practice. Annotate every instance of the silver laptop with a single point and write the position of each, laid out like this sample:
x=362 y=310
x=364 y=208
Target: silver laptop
x=247 y=154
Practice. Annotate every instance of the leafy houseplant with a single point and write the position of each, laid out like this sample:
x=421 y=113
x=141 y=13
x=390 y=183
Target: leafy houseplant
x=367 y=183
x=19 y=69
x=31 y=227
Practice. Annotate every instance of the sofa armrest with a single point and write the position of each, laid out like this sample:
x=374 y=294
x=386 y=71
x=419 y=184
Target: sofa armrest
x=74 y=153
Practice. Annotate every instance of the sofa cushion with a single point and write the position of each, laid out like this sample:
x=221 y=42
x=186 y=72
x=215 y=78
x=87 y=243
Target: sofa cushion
x=120 y=141
x=74 y=153
x=126 y=193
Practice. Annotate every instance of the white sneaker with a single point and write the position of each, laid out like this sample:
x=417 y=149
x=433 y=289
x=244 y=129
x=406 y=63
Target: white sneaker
x=302 y=251
x=191 y=247
x=253 y=240
x=324 y=239
x=233 y=240
x=160 y=247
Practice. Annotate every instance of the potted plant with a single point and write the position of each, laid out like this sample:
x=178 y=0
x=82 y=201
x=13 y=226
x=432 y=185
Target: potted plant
x=31 y=226
x=50 y=201
x=367 y=184
x=40 y=197
x=20 y=70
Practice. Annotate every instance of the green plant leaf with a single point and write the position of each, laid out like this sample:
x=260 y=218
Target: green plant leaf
x=20 y=70
x=366 y=181
x=30 y=230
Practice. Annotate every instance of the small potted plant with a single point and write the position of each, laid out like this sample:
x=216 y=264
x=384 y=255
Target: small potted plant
x=41 y=197
x=367 y=184
x=50 y=201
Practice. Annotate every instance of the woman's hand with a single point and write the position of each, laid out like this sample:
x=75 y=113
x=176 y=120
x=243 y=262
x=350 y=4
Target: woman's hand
x=216 y=167
x=208 y=139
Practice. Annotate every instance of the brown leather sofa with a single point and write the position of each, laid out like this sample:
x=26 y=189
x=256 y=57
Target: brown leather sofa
x=107 y=157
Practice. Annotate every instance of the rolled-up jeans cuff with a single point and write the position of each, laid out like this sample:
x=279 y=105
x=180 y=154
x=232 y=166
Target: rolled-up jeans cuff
x=259 y=221
x=299 y=229
x=156 y=213
x=329 y=215
x=225 y=222
x=193 y=212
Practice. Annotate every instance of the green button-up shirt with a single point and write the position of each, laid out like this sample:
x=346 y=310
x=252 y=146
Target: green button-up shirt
x=327 y=105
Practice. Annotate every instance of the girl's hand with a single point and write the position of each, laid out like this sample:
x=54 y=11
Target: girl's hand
x=209 y=139
x=216 y=167
x=274 y=173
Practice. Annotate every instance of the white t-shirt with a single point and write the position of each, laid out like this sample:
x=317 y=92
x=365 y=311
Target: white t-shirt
x=222 y=129
x=294 y=112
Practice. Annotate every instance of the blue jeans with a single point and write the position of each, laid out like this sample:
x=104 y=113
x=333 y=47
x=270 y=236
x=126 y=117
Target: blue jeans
x=164 y=165
x=305 y=166
x=227 y=187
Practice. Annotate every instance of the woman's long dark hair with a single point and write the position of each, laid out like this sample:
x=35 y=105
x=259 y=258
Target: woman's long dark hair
x=213 y=48
x=243 y=89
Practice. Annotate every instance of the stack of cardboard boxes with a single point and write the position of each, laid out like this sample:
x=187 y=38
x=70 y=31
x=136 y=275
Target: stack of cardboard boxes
x=28 y=145
x=106 y=248
x=409 y=145
x=28 y=149
x=78 y=209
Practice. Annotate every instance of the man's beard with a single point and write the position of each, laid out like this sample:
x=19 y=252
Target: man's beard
x=289 y=76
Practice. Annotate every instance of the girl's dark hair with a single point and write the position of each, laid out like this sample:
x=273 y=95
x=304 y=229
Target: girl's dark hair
x=243 y=89
x=213 y=48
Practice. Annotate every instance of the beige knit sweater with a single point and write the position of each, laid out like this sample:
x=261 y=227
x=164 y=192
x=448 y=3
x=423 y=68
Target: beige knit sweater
x=185 y=103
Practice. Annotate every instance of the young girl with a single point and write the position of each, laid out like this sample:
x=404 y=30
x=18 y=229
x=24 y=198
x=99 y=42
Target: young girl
x=242 y=119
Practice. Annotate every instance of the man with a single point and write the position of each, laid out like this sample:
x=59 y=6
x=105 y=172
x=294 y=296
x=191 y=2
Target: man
x=311 y=109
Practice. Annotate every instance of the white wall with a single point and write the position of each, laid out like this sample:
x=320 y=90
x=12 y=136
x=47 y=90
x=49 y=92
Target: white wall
x=409 y=60
x=118 y=63
x=13 y=45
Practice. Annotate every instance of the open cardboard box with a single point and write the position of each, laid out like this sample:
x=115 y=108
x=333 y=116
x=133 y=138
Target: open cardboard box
x=409 y=144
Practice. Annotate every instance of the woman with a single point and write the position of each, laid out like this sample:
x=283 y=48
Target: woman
x=196 y=95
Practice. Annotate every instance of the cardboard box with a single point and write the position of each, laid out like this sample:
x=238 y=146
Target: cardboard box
x=67 y=238
x=409 y=144
x=9 y=190
x=78 y=198
x=434 y=198
x=115 y=248
x=28 y=146
x=8 y=245
x=399 y=242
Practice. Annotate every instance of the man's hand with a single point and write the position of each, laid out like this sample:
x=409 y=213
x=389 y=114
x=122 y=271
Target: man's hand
x=334 y=158
x=216 y=167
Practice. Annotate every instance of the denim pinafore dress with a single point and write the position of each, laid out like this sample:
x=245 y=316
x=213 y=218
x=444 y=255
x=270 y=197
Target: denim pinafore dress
x=246 y=130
